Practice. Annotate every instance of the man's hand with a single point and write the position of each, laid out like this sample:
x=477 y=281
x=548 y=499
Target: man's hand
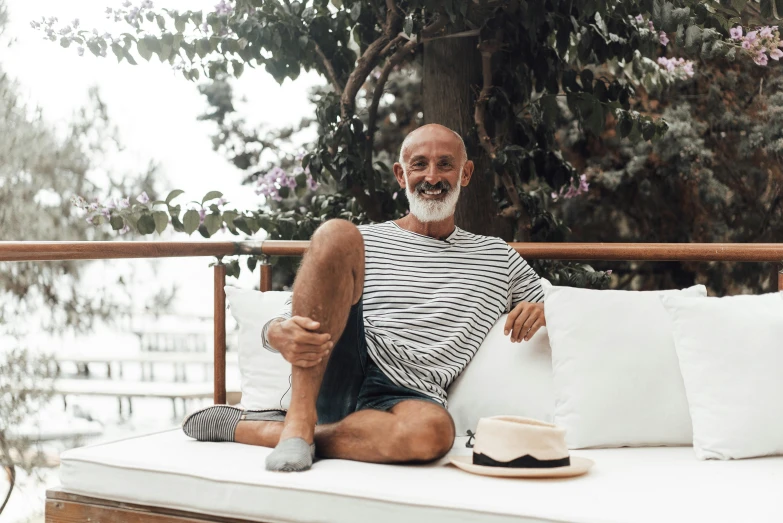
x=299 y=342
x=524 y=321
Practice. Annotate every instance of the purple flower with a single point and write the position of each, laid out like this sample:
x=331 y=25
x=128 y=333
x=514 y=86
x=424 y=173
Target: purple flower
x=89 y=220
x=223 y=8
x=765 y=32
x=688 y=68
x=776 y=54
x=663 y=38
x=313 y=185
x=106 y=213
x=650 y=26
x=143 y=198
x=583 y=185
x=736 y=32
x=202 y=214
x=751 y=37
x=124 y=230
x=124 y=203
x=93 y=207
x=639 y=19
x=221 y=201
x=760 y=58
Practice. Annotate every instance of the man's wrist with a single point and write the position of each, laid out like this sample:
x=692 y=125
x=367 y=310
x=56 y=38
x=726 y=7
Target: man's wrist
x=265 y=333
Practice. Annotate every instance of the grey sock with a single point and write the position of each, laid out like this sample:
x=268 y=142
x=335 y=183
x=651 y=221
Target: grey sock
x=291 y=455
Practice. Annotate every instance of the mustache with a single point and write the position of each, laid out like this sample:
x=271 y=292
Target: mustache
x=426 y=186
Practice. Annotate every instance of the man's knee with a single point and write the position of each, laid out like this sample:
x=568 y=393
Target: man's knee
x=424 y=439
x=338 y=234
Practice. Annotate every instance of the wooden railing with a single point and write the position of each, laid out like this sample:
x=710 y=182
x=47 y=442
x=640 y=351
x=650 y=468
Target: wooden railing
x=51 y=251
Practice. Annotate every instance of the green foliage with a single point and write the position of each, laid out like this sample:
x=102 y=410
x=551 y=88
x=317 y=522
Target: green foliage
x=599 y=57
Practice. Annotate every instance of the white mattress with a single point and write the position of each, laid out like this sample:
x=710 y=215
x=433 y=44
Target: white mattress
x=227 y=479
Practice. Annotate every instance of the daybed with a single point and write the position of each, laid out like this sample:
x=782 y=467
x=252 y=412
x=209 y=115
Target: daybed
x=166 y=477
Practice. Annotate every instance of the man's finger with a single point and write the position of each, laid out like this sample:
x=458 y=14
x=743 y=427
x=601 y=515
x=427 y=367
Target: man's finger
x=305 y=323
x=512 y=316
x=537 y=325
x=307 y=363
x=310 y=338
x=518 y=323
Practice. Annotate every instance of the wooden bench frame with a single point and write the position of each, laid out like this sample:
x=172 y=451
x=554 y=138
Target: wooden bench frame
x=63 y=507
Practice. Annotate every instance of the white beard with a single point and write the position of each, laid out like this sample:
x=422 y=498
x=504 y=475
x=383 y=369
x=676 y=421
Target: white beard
x=432 y=210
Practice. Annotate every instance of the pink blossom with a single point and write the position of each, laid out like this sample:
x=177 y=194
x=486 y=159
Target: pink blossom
x=639 y=19
x=124 y=203
x=609 y=272
x=221 y=201
x=765 y=32
x=736 y=32
x=143 y=198
x=663 y=38
x=760 y=58
x=202 y=214
x=650 y=26
x=751 y=37
x=776 y=54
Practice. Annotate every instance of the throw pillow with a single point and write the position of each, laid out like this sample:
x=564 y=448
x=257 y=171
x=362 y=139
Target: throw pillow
x=731 y=356
x=264 y=374
x=504 y=378
x=616 y=376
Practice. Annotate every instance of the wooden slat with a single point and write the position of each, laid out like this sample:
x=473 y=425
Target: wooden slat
x=266 y=277
x=748 y=252
x=62 y=507
x=780 y=279
x=220 y=334
x=38 y=251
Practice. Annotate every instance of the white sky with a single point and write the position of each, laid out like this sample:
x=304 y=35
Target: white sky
x=154 y=107
x=155 y=110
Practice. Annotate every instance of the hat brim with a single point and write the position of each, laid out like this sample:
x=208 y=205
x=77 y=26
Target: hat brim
x=578 y=467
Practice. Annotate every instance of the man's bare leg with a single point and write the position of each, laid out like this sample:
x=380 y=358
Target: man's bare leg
x=412 y=430
x=329 y=281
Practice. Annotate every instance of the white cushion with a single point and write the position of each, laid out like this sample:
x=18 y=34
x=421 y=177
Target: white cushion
x=504 y=378
x=645 y=485
x=731 y=356
x=264 y=374
x=616 y=377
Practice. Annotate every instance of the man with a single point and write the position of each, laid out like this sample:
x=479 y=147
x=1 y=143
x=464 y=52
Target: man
x=384 y=317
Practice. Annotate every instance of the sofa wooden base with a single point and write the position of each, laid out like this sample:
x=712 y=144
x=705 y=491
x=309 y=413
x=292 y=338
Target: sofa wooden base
x=62 y=507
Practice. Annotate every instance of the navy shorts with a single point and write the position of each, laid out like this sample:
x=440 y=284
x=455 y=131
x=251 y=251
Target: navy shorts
x=353 y=381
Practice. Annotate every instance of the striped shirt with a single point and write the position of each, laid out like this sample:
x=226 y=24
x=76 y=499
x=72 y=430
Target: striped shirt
x=429 y=303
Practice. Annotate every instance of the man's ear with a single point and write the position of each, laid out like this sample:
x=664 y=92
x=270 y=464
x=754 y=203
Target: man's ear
x=467 y=172
x=399 y=174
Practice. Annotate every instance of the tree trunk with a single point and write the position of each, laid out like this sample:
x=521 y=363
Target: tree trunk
x=451 y=79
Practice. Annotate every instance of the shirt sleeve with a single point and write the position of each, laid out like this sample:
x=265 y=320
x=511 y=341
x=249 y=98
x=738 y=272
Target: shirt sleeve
x=523 y=282
x=284 y=315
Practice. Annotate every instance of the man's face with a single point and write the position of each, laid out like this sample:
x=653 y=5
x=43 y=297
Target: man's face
x=433 y=174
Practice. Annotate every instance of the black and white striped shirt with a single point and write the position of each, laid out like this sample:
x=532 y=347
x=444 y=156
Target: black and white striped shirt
x=429 y=303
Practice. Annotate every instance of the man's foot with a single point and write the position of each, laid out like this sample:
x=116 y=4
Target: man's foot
x=219 y=422
x=294 y=452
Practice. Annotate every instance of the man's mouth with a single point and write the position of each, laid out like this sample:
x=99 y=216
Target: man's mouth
x=432 y=192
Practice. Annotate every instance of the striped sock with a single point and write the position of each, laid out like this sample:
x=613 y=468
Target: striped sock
x=215 y=423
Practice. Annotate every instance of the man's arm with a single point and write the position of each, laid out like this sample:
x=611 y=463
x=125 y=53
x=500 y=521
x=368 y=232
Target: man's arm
x=526 y=296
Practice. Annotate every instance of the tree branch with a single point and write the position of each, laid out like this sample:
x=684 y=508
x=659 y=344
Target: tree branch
x=369 y=60
x=330 y=72
x=404 y=52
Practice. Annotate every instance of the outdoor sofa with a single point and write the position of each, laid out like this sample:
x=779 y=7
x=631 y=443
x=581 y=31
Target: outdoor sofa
x=167 y=477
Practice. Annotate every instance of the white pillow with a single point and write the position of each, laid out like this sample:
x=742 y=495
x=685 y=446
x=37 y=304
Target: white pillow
x=504 y=378
x=731 y=355
x=616 y=376
x=264 y=374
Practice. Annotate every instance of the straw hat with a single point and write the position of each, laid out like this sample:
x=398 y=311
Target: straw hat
x=512 y=446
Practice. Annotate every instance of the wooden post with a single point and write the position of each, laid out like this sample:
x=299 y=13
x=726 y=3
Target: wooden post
x=220 y=334
x=780 y=277
x=266 y=275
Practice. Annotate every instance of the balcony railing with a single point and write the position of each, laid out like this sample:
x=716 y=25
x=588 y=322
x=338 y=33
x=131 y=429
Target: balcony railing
x=53 y=251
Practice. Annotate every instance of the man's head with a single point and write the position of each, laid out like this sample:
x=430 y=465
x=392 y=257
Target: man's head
x=433 y=167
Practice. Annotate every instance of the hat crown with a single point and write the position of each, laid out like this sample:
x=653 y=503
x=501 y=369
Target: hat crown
x=506 y=438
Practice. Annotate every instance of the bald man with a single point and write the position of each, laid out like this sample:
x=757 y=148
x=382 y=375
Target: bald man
x=382 y=319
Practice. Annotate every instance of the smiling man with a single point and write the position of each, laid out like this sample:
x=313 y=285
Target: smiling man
x=382 y=319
